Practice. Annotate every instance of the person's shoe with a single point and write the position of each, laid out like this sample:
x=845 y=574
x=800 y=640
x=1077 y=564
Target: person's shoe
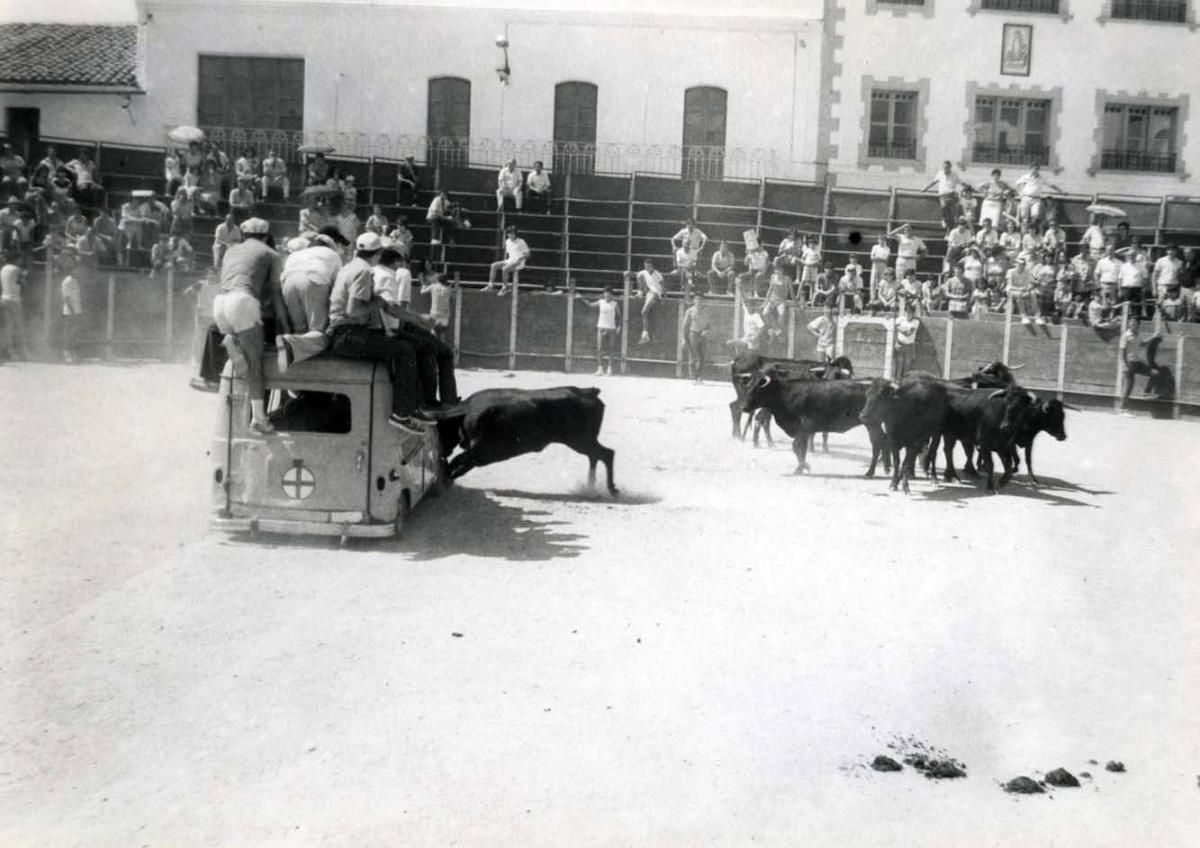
x=645 y=339
x=263 y=427
x=1040 y=321
x=1025 y=320
x=489 y=287
x=503 y=291
x=283 y=354
x=608 y=371
x=202 y=385
x=599 y=372
x=433 y=242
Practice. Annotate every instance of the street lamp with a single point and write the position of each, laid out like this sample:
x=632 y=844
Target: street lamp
x=503 y=71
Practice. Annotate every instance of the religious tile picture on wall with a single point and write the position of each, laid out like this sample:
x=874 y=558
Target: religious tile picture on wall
x=1016 y=49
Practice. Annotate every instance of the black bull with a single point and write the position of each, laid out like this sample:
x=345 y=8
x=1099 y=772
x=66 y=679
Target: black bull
x=806 y=407
x=746 y=368
x=498 y=424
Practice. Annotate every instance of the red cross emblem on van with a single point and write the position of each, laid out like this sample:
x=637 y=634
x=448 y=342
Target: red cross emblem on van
x=298 y=481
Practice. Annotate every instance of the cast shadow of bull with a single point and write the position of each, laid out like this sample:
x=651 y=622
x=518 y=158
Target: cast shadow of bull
x=1049 y=491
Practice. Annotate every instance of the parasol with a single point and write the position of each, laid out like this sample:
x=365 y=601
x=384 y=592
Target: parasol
x=321 y=192
x=186 y=134
x=142 y=193
x=1106 y=210
x=315 y=147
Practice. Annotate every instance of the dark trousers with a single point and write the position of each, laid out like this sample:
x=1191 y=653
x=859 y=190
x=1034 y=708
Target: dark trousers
x=435 y=363
x=358 y=342
x=537 y=201
x=214 y=356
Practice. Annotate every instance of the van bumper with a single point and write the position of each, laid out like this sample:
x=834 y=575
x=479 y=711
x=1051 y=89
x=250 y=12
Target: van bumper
x=302 y=528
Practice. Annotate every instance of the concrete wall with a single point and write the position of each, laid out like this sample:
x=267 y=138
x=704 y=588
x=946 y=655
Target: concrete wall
x=950 y=48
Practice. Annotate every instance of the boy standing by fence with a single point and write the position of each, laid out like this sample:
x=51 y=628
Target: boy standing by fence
x=696 y=324
x=72 y=314
x=439 y=307
x=608 y=328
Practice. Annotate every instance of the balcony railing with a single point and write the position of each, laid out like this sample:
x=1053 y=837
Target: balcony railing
x=1171 y=11
x=694 y=162
x=896 y=150
x=1049 y=7
x=1027 y=155
x=1130 y=160
x=901 y=2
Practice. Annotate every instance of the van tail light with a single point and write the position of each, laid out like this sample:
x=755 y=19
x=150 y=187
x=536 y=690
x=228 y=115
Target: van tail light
x=359 y=459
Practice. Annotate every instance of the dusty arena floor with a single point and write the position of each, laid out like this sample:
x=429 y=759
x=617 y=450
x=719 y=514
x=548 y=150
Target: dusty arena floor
x=711 y=659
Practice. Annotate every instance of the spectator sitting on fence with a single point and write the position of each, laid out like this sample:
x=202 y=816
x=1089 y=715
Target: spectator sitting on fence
x=246 y=170
x=757 y=261
x=1170 y=304
x=275 y=175
x=227 y=234
x=995 y=268
x=537 y=189
x=242 y=200
x=1032 y=187
x=825 y=287
x=608 y=328
x=183 y=214
x=1167 y=273
x=909 y=290
x=172 y=172
x=692 y=239
x=778 y=289
x=720 y=273
x=885 y=294
x=218 y=166
x=1019 y=284
x=1045 y=275
x=377 y=223
x=516 y=252
x=850 y=290
x=62 y=186
x=45 y=170
x=406 y=182
x=12 y=168
x=1010 y=241
x=685 y=269
x=968 y=203
x=980 y=299
x=160 y=254
x=970 y=268
x=402 y=236
x=318 y=170
x=1132 y=281
x=987 y=237
x=350 y=193
x=649 y=286
x=1099 y=312
x=509 y=184
x=76 y=223
x=1064 y=297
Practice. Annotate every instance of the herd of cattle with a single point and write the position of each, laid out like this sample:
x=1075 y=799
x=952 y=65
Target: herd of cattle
x=987 y=412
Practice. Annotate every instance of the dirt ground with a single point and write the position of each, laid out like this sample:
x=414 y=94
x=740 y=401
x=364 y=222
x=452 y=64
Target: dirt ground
x=712 y=659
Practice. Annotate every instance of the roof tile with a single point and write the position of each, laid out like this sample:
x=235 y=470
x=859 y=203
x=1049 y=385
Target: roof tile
x=68 y=54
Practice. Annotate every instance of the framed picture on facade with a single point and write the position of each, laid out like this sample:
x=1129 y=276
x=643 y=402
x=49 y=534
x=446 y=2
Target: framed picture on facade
x=1016 y=49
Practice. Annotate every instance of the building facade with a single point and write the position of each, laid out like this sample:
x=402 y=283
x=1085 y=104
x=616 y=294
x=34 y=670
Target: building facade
x=871 y=93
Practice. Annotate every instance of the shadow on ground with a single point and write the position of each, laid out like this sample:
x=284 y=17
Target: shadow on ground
x=1048 y=492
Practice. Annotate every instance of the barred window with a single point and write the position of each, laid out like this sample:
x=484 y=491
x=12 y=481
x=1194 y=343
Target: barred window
x=574 y=127
x=704 y=110
x=1139 y=138
x=251 y=92
x=448 y=121
x=1169 y=11
x=1011 y=131
x=893 y=133
x=1045 y=6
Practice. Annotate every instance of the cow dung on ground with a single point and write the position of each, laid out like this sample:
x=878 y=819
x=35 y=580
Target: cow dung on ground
x=1114 y=765
x=936 y=768
x=1023 y=786
x=885 y=763
x=1061 y=777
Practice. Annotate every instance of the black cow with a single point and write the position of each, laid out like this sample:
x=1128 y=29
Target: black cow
x=911 y=414
x=498 y=424
x=987 y=420
x=805 y=407
x=746 y=368
x=995 y=375
x=1046 y=415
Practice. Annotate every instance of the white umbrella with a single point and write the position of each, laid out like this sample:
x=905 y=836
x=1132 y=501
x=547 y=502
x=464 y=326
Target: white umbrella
x=186 y=134
x=315 y=147
x=1106 y=210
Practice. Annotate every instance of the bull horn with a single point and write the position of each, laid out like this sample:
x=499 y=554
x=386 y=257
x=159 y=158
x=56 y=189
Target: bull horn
x=765 y=381
x=1016 y=367
x=1072 y=408
x=996 y=393
x=744 y=375
x=1032 y=397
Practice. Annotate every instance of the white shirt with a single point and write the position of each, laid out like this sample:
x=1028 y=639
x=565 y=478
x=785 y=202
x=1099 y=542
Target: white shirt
x=908 y=246
x=515 y=248
x=1031 y=185
x=510 y=179
x=947 y=183
x=607 y=319
x=1166 y=272
x=906 y=330
x=403 y=286
x=1107 y=270
x=692 y=241
x=824 y=330
x=652 y=280
x=439 y=302
x=880 y=254
x=72 y=296
x=10 y=283
x=1093 y=237
x=538 y=181
x=1131 y=276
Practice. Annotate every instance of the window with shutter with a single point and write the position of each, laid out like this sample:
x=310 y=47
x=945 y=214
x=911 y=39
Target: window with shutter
x=448 y=122
x=704 y=133
x=574 y=127
x=251 y=93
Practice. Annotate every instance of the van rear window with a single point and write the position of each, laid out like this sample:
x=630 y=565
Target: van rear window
x=310 y=412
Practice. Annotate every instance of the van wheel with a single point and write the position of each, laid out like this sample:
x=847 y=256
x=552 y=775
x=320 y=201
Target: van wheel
x=443 y=482
x=404 y=509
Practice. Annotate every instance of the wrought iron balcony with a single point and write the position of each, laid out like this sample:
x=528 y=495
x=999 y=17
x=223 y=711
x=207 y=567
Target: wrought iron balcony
x=895 y=150
x=1024 y=155
x=1170 y=11
x=1049 y=7
x=1131 y=160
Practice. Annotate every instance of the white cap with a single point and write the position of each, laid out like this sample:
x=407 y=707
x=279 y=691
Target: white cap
x=255 y=227
x=368 y=242
x=297 y=243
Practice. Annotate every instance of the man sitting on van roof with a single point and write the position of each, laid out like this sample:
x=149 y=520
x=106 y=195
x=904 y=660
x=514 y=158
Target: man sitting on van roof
x=356 y=331
x=307 y=281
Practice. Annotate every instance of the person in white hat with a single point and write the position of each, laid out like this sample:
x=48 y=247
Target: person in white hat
x=249 y=281
x=356 y=330
x=307 y=283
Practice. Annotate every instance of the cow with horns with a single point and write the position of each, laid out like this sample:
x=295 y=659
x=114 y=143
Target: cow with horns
x=747 y=367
